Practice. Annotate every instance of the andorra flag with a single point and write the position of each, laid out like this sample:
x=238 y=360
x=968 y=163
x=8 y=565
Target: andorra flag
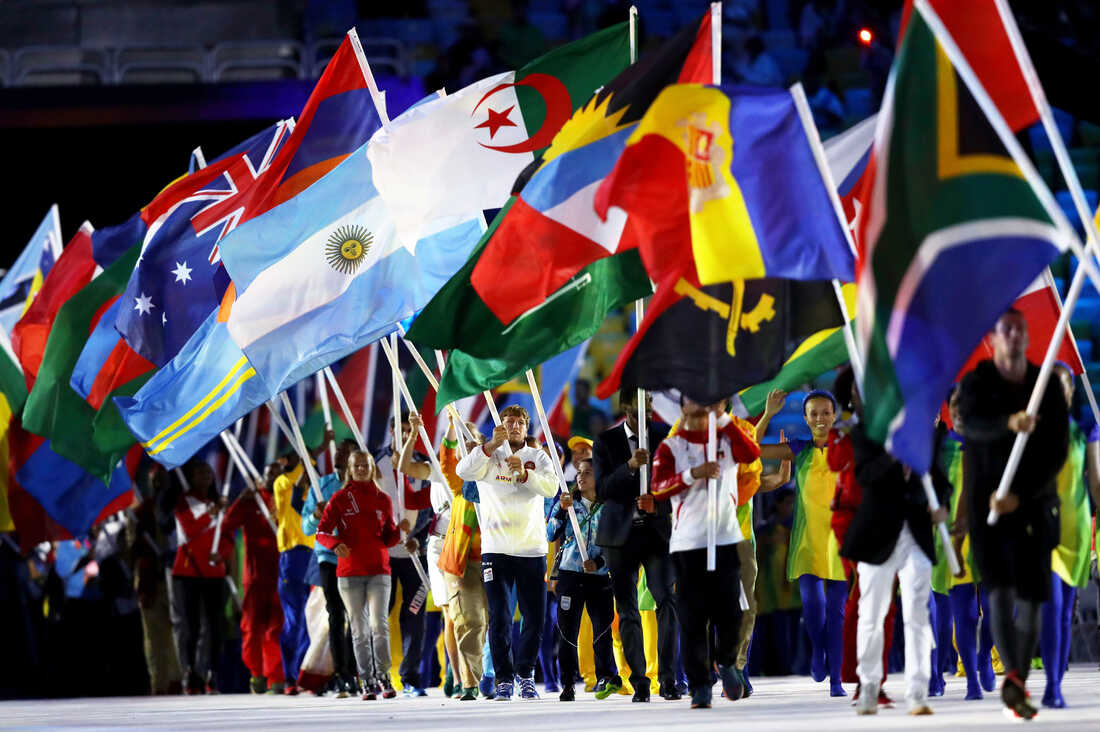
x=730 y=173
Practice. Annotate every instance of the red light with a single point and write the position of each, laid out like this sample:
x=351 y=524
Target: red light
x=865 y=36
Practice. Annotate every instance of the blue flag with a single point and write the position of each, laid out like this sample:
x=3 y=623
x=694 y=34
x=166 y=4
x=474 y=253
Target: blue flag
x=205 y=388
x=173 y=288
x=24 y=279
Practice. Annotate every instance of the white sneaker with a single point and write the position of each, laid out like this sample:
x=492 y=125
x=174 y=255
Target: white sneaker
x=868 y=699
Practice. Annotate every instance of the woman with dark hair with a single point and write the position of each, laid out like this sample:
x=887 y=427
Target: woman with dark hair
x=198 y=581
x=814 y=558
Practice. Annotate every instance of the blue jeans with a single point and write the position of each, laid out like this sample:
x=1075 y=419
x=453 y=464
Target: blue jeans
x=500 y=573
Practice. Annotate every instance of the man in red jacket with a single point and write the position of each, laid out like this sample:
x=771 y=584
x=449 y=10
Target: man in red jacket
x=199 y=582
x=261 y=612
x=357 y=524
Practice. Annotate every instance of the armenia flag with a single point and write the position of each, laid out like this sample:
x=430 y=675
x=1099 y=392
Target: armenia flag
x=953 y=233
x=731 y=170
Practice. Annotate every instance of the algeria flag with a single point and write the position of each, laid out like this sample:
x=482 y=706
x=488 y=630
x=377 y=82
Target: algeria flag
x=452 y=157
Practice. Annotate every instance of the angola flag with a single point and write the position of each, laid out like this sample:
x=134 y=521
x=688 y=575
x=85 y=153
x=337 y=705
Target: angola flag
x=714 y=340
x=954 y=232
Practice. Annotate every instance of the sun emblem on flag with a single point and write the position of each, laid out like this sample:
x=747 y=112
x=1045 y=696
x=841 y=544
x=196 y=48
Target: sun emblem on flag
x=705 y=158
x=346 y=248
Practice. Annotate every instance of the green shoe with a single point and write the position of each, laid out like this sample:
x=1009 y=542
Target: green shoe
x=257 y=684
x=1037 y=663
x=449 y=684
x=607 y=687
x=470 y=694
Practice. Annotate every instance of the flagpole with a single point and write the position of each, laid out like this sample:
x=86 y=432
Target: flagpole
x=554 y=458
x=247 y=468
x=1069 y=332
x=960 y=64
x=272 y=446
x=463 y=431
x=390 y=349
x=303 y=453
x=1080 y=203
x=716 y=42
x=854 y=355
x=459 y=424
x=368 y=76
x=712 y=494
x=368 y=393
x=807 y=119
x=344 y=408
x=639 y=304
x=392 y=357
x=326 y=410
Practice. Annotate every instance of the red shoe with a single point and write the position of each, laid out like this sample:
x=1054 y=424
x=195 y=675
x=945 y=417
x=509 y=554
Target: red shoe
x=369 y=695
x=291 y=690
x=885 y=701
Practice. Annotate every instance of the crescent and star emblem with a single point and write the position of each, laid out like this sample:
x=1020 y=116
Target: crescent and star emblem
x=558 y=110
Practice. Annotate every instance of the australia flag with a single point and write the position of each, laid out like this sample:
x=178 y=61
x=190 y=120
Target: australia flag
x=179 y=278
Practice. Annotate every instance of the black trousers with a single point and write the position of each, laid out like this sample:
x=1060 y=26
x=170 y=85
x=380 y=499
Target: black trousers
x=499 y=573
x=709 y=605
x=202 y=602
x=645 y=548
x=412 y=624
x=339 y=630
x=576 y=591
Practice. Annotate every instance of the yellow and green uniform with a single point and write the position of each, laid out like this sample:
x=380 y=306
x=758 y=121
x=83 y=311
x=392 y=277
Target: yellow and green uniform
x=950 y=460
x=288 y=521
x=814 y=549
x=1070 y=559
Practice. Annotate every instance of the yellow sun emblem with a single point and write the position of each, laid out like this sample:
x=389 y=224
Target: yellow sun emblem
x=346 y=247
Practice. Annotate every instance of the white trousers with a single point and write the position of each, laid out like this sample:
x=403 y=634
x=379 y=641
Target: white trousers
x=876 y=585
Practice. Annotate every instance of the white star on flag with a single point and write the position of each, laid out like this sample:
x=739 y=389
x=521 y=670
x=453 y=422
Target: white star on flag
x=182 y=272
x=144 y=304
x=164 y=318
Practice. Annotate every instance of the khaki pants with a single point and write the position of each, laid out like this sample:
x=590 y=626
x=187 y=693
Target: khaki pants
x=468 y=609
x=160 y=650
x=746 y=552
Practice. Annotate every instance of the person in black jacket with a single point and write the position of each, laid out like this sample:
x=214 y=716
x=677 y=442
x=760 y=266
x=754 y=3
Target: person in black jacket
x=891 y=536
x=1013 y=555
x=635 y=531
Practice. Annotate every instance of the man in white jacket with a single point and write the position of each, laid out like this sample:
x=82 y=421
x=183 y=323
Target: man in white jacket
x=708 y=602
x=512 y=481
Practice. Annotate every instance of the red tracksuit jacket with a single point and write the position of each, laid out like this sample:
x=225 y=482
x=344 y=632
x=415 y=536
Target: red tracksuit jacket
x=261 y=555
x=360 y=516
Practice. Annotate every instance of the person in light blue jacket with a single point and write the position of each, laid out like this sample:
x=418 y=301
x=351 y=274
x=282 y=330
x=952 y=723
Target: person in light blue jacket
x=339 y=637
x=583 y=583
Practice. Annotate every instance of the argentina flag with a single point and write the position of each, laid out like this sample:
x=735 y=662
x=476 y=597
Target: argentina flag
x=325 y=273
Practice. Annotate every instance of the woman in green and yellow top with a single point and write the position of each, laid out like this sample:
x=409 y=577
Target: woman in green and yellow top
x=814 y=558
x=1070 y=561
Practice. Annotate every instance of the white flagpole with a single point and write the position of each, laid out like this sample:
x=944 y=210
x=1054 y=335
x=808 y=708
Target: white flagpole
x=326 y=410
x=554 y=458
x=225 y=491
x=463 y=431
x=712 y=494
x=237 y=454
x=303 y=453
x=392 y=357
x=807 y=119
x=434 y=383
x=345 y=409
x=390 y=349
x=716 y=42
x=639 y=304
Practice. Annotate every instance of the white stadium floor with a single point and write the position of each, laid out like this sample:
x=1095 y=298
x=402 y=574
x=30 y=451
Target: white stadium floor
x=786 y=703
